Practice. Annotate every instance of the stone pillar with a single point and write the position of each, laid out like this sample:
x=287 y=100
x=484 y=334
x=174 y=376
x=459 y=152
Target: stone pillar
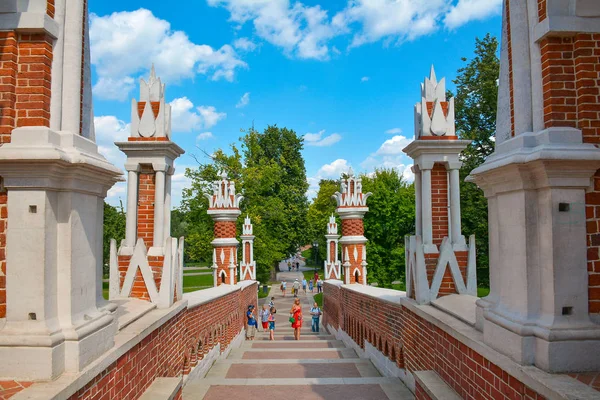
x=543 y=255
x=248 y=265
x=224 y=208
x=150 y=158
x=352 y=207
x=333 y=266
x=435 y=152
x=54 y=183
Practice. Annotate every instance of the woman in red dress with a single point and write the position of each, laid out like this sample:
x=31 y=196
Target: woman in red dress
x=296 y=313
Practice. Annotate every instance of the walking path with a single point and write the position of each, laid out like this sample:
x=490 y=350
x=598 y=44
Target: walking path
x=317 y=367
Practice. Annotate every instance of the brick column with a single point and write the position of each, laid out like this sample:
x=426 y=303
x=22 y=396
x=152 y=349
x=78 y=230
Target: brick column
x=224 y=208
x=352 y=207
x=435 y=152
x=332 y=264
x=542 y=209
x=150 y=159
x=248 y=265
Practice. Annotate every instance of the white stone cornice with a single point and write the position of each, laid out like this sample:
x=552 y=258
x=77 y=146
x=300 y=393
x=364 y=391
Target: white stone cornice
x=224 y=242
x=150 y=149
x=353 y=240
x=352 y=212
x=29 y=22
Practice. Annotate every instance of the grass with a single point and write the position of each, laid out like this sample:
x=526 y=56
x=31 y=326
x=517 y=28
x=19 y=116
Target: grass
x=319 y=299
x=197 y=280
x=308 y=275
x=482 y=292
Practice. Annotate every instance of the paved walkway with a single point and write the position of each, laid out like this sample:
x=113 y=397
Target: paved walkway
x=317 y=367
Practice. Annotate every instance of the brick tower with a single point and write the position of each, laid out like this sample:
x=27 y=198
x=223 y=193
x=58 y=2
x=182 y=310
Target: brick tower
x=333 y=267
x=224 y=208
x=439 y=239
x=352 y=207
x=248 y=265
x=54 y=183
x=543 y=188
x=150 y=158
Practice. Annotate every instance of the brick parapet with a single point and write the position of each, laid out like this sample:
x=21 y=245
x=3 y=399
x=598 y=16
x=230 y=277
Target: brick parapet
x=416 y=344
x=439 y=203
x=172 y=349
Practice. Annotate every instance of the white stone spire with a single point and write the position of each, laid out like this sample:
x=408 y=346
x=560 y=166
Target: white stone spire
x=434 y=115
x=224 y=195
x=151 y=116
x=332 y=228
x=350 y=194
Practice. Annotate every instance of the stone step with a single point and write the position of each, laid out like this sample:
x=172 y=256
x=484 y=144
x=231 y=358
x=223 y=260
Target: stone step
x=261 y=354
x=293 y=370
x=298 y=388
x=294 y=344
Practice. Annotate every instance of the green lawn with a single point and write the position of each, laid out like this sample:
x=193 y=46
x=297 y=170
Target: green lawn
x=319 y=299
x=482 y=292
x=308 y=275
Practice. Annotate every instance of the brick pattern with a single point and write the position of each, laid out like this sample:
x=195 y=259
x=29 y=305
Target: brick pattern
x=148 y=139
x=155 y=108
x=439 y=203
x=225 y=229
x=355 y=262
x=146 y=194
x=353 y=227
x=589 y=378
x=50 y=9
x=542 y=10
x=172 y=349
x=430 y=105
x=223 y=266
x=558 y=80
x=247 y=252
x=420 y=394
x=9 y=388
x=9 y=54
x=417 y=345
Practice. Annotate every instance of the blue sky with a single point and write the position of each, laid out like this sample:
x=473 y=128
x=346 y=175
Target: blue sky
x=344 y=73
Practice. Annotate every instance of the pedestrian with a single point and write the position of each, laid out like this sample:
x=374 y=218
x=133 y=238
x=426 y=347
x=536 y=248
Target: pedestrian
x=283 y=287
x=251 y=329
x=311 y=286
x=264 y=317
x=296 y=287
x=304 y=285
x=272 y=302
x=297 y=266
x=316 y=277
x=289 y=266
x=296 y=318
x=272 y=313
x=316 y=313
x=319 y=286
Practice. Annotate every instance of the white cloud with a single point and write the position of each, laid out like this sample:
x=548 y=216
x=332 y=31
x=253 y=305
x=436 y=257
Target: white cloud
x=244 y=44
x=300 y=30
x=244 y=100
x=394 y=131
x=468 y=10
x=393 y=146
x=125 y=44
x=204 y=136
x=334 y=170
x=364 y=79
x=186 y=118
x=317 y=139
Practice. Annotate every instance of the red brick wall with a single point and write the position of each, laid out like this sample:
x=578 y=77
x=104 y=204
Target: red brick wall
x=420 y=394
x=225 y=229
x=173 y=348
x=417 y=345
x=542 y=10
x=353 y=227
x=354 y=262
x=50 y=8
x=439 y=203
x=146 y=192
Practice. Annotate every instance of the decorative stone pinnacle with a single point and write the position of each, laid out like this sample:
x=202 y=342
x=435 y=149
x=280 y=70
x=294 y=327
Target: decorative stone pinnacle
x=332 y=228
x=224 y=195
x=151 y=116
x=247 y=227
x=351 y=194
x=434 y=115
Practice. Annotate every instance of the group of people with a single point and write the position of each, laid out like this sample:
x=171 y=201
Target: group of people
x=267 y=318
x=293 y=265
x=296 y=286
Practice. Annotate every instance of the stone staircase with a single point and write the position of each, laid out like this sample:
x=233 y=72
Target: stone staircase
x=315 y=367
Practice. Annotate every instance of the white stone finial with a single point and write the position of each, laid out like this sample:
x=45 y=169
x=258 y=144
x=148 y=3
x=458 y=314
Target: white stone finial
x=223 y=175
x=224 y=195
x=332 y=227
x=351 y=192
x=155 y=118
x=434 y=116
x=247 y=227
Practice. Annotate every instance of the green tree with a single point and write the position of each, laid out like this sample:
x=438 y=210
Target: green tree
x=319 y=211
x=391 y=216
x=476 y=102
x=114 y=228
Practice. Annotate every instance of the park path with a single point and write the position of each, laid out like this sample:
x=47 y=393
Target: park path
x=317 y=367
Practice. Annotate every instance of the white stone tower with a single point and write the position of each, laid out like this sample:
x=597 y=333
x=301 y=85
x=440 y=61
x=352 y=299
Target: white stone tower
x=333 y=267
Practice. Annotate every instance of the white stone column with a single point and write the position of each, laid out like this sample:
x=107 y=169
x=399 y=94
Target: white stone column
x=132 y=199
x=426 y=207
x=167 y=223
x=455 y=225
x=159 y=208
x=419 y=219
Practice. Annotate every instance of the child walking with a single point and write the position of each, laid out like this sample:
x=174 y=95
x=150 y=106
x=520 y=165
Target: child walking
x=272 y=323
x=264 y=317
